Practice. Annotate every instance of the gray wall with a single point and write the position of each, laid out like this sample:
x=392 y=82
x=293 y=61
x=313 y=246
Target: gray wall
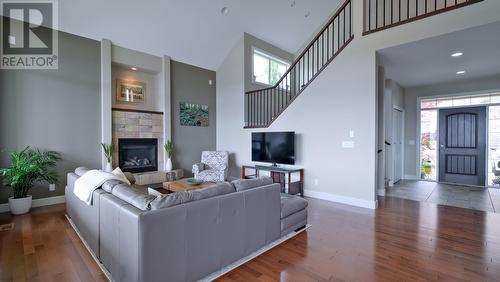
x=191 y=84
x=447 y=89
x=54 y=109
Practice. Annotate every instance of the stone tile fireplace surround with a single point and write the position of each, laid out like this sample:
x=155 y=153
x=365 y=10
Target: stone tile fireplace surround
x=130 y=124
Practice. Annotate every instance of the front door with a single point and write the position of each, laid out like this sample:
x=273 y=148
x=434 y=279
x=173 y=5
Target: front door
x=462 y=145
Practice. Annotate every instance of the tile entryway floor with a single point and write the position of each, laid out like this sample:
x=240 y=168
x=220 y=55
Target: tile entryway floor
x=476 y=198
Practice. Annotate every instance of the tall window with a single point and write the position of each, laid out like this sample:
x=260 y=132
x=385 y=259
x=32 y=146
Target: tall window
x=267 y=69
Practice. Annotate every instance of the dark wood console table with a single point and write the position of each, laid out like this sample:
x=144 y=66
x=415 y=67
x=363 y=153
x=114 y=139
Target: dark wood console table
x=279 y=175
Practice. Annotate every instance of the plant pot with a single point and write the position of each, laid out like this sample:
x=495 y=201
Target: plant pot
x=169 y=165
x=109 y=167
x=20 y=205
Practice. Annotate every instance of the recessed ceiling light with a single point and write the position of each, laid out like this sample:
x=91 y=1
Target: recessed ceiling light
x=461 y=72
x=133 y=68
x=224 y=11
x=457 y=54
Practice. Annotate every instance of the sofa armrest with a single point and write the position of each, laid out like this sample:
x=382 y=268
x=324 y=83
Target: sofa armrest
x=198 y=167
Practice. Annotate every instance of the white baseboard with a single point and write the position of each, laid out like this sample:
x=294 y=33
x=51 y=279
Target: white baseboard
x=410 y=177
x=38 y=202
x=341 y=199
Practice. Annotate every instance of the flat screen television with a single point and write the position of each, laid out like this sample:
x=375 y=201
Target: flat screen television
x=273 y=147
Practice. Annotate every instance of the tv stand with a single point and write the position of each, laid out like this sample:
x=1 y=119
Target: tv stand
x=279 y=175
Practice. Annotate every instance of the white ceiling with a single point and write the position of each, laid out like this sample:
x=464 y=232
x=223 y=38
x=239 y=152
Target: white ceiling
x=194 y=31
x=429 y=61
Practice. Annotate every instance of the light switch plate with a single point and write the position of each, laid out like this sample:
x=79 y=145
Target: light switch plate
x=411 y=142
x=52 y=187
x=351 y=133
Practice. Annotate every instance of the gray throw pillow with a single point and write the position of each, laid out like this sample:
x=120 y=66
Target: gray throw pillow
x=137 y=198
x=130 y=177
x=245 y=184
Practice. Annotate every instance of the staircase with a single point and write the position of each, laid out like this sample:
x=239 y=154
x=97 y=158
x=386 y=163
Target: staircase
x=263 y=106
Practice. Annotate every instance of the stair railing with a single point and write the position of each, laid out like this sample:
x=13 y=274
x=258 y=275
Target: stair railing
x=383 y=14
x=263 y=106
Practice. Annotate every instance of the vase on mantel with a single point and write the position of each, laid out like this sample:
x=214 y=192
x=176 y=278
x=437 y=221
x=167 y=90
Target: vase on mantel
x=109 y=167
x=169 y=164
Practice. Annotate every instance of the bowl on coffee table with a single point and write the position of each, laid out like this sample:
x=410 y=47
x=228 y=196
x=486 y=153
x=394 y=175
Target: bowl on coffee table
x=193 y=181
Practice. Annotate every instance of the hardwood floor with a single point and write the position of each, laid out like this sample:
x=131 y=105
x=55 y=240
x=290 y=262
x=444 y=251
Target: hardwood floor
x=42 y=246
x=403 y=240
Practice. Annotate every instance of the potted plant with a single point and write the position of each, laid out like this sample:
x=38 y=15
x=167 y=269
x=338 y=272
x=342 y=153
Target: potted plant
x=427 y=167
x=169 y=148
x=28 y=166
x=108 y=149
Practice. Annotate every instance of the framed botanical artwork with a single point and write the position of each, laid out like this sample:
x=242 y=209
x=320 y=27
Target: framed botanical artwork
x=130 y=91
x=193 y=114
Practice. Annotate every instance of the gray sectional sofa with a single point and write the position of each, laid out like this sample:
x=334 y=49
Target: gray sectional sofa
x=181 y=236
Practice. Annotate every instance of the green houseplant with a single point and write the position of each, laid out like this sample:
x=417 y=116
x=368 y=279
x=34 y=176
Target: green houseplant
x=108 y=149
x=426 y=167
x=28 y=167
x=169 y=148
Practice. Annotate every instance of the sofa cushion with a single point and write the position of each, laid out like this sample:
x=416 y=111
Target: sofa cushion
x=81 y=170
x=293 y=221
x=245 y=184
x=291 y=204
x=137 y=198
x=178 y=198
x=110 y=184
x=221 y=188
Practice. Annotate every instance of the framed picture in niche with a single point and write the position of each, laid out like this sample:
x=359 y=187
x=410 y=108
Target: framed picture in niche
x=128 y=91
x=192 y=114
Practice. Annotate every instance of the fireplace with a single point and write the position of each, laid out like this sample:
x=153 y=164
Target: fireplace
x=138 y=154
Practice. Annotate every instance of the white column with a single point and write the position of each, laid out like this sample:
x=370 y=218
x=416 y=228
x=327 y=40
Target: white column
x=167 y=109
x=106 y=98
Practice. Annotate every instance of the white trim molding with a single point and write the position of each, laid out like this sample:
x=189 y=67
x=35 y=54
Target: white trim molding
x=38 y=202
x=341 y=199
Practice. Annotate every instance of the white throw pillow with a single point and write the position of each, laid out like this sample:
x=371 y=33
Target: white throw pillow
x=118 y=172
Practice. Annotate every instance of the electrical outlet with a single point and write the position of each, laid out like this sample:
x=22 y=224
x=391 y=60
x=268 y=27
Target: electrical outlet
x=52 y=187
x=316 y=182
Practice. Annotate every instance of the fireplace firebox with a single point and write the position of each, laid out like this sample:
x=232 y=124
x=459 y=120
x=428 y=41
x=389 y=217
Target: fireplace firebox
x=138 y=154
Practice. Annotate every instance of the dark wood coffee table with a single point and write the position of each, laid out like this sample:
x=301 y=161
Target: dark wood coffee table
x=181 y=185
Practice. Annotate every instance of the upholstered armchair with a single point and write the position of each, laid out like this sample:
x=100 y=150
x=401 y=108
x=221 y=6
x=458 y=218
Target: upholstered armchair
x=213 y=166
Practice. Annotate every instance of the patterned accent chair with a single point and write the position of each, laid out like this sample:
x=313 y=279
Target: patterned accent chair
x=213 y=166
